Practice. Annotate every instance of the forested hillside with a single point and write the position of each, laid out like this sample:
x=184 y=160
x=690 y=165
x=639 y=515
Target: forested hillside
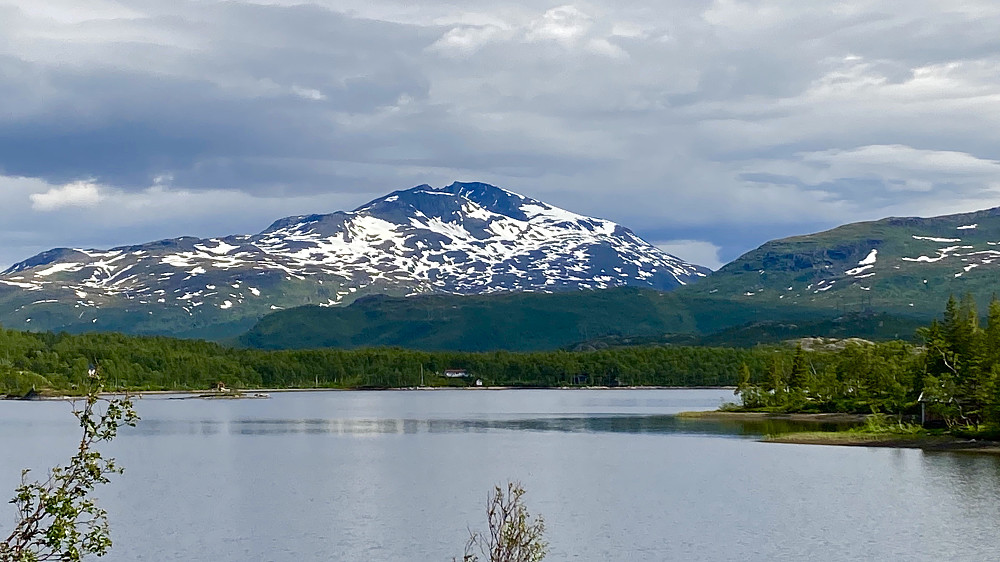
x=511 y=321
x=61 y=361
x=956 y=370
x=539 y=321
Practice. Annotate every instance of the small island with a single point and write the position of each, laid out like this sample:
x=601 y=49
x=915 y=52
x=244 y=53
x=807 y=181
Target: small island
x=222 y=392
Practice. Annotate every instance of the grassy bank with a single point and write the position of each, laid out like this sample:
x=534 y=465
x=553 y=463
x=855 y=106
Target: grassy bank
x=864 y=431
x=925 y=441
x=763 y=416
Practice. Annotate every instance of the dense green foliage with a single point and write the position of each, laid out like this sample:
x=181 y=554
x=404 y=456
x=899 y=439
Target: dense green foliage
x=862 y=378
x=868 y=326
x=963 y=364
x=57 y=360
x=955 y=375
x=956 y=370
x=510 y=321
x=536 y=321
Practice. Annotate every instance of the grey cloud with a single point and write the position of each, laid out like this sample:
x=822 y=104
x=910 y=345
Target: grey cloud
x=729 y=121
x=236 y=101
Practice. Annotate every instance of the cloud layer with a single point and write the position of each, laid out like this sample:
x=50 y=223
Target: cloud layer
x=719 y=124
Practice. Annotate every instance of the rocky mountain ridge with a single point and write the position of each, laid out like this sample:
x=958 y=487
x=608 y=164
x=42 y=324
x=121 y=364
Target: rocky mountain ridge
x=466 y=238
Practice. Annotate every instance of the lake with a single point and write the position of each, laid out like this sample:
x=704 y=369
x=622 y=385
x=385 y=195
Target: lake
x=402 y=475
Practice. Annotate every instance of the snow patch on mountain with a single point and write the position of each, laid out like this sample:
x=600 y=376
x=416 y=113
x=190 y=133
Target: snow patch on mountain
x=22 y=285
x=933 y=239
x=942 y=254
x=466 y=238
x=864 y=265
x=57 y=268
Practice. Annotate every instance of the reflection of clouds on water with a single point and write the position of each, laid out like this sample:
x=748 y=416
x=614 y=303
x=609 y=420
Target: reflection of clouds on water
x=665 y=424
x=697 y=403
x=400 y=476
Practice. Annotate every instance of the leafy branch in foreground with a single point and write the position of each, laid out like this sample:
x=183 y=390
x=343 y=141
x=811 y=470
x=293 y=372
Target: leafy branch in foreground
x=513 y=535
x=58 y=519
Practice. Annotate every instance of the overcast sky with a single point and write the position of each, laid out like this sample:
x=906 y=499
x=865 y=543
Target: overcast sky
x=706 y=127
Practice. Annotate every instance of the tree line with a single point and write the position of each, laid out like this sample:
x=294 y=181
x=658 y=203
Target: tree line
x=61 y=362
x=952 y=375
x=953 y=372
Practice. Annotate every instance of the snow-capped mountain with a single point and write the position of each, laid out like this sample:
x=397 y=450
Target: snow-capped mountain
x=466 y=238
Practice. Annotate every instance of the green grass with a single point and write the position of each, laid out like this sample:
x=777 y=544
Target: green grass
x=881 y=424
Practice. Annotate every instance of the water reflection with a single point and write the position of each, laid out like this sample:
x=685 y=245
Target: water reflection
x=561 y=424
x=401 y=476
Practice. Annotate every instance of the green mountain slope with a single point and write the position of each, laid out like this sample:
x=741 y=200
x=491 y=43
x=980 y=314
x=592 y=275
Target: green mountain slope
x=881 y=327
x=513 y=321
x=536 y=321
x=900 y=266
x=877 y=280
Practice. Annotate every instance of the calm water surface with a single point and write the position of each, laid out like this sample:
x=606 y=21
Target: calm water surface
x=400 y=476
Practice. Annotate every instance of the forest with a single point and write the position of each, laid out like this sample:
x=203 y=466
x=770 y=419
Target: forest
x=61 y=362
x=953 y=372
x=953 y=376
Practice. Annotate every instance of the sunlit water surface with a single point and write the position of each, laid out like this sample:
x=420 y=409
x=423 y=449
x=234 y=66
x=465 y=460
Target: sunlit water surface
x=403 y=475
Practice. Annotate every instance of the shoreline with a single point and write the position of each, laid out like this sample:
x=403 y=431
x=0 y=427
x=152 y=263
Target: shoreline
x=765 y=416
x=940 y=443
x=187 y=392
x=411 y=389
x=945 y=443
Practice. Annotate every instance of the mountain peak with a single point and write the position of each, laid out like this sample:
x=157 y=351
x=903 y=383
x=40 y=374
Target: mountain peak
x=465 y=238
x=493 y=198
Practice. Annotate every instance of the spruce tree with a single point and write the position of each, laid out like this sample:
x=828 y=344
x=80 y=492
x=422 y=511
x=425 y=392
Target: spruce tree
x=799 y=377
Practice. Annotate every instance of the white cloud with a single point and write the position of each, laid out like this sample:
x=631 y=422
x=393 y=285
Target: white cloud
x=896 y=158
x=698 y=252
x=892 y=168
x=72 y=12
x=308 y=93
x=631 y=30
x=465 y=40
x=567 y=26
x=76 y=194
x=564 y=23
x=120 y=217
x=604 y=47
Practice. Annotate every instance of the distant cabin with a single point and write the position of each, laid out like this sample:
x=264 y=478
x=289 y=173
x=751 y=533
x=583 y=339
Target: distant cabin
x=930 y=415
x=455 y=373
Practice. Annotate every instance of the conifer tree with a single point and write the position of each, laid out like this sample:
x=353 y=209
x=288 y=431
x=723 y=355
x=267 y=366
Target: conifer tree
x=799 y=377
x=992 y=336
